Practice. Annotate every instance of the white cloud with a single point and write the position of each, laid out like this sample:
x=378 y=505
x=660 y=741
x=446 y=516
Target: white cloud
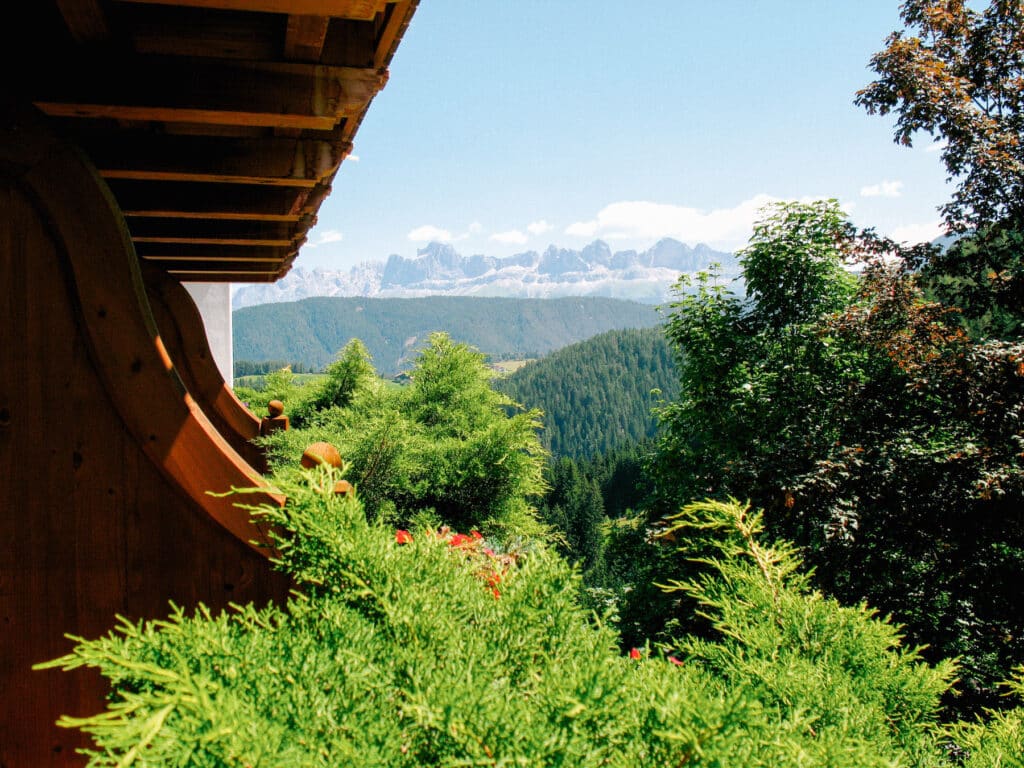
x=918 y=233
x=883 y=189
x=937 y=146
x=476 y=228
x=429 y=233
x=327 y=236
x=353 y=158
x=512 y=237
x=538 y=227
x=643 y=220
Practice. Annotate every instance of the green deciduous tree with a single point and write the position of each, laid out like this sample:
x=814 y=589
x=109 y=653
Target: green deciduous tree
x=876 y=435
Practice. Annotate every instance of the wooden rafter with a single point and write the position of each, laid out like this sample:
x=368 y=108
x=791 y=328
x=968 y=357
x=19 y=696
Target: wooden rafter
x=397 y=21
x=217 y=124
x=212 y=230
x=353 y=9
x=210 y=201
x=284 y=95
x=271 y=160
x=201 y=252
x=304 y=37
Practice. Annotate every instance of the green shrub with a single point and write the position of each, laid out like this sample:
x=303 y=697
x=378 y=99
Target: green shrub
x=443 y=651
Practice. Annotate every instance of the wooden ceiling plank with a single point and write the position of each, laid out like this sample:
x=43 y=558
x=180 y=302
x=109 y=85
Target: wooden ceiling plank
x=172 y=31
x=207 y=230
x=173 y=115
x=209 y=91
x=226 y=277
x=204 y=178
x=209 y=215
x=241 y=242
x=304 y=37
x=354 y=9
x=214 y=259
x=210 y=201
x=270 y=160
x=186 y=251
x=86 y=20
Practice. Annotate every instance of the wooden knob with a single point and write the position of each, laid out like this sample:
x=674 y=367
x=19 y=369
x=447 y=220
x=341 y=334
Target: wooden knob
x=322 y=453
x=275 y=408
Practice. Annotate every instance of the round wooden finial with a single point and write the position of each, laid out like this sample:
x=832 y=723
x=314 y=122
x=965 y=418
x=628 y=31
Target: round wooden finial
x=275 y=408
x=322 y=453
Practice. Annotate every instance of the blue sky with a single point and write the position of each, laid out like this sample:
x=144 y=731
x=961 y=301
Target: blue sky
x=509 y=125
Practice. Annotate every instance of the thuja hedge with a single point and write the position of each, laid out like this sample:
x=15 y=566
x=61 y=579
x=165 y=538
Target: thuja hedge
x=435 y=647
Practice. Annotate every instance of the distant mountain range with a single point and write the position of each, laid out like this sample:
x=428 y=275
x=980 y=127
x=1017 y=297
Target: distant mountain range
x=438 y=269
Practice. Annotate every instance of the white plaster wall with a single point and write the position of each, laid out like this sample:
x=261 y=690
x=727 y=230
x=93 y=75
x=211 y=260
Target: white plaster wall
x=214 y=302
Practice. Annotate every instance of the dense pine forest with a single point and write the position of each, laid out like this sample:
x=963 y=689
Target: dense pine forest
x=816 y=559
x=599 y=394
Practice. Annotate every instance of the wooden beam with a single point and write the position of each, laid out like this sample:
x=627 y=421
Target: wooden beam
x=304 y=37
x=209 y=91
x=270 y=161
x=210 y=201
x=209 y=178
x=226 y=276
x=392 y=33
x=186 y=115
x=239 y=241
x=209 y=231
x=352 y=9
x=199 y=253
x=180 y=31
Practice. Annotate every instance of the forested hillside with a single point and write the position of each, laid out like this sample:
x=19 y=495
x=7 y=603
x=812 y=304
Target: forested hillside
x=597 y=395
x=313 y=330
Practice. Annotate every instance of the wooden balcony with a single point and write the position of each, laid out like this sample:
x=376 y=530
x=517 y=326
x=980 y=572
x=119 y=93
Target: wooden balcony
x=161 y=140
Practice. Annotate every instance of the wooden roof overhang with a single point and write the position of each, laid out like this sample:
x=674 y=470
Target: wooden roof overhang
x=218 y=125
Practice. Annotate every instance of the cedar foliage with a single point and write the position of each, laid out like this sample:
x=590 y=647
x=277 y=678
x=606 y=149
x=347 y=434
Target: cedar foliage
x=447 y=447
x=402 y=654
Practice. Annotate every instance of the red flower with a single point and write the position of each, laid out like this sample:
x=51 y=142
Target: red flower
x=476 y=535
x=458 y=540
x=403 y=537
x=634 y=654
x=674 y=660
x=496 y=593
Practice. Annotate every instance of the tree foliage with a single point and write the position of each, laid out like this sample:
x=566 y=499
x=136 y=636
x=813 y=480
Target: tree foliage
x=957 y=73
x=447 y=446
x=876 y=435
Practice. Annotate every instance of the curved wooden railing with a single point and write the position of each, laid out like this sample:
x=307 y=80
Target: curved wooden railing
x=130 y=355
x=181 y=328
